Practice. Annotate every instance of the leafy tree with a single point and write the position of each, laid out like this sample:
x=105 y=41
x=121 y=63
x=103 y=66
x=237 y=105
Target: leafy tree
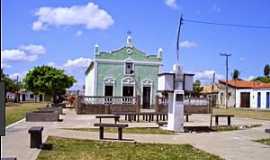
x=10 y=85
x=235 y=74
x=266 y=70
x=197 y=87
x=262 y=79
x=48 y=80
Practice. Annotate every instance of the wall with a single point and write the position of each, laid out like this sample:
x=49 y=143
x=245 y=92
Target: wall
x=253 y=97
x=89 y=82
x=116 y=72
x=231 y=97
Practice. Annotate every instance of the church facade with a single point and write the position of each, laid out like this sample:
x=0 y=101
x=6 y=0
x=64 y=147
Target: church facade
x=127 y=71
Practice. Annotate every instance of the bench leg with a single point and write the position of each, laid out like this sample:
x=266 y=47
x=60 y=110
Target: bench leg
x=186 y=117
x=229 y=121
x=120 y=131
x=101 y=132
x=125 y=117
x=216 y=120
x=138 y=118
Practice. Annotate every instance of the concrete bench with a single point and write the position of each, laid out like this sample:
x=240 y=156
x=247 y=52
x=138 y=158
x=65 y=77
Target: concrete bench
x=35 y=136
x=115 y=117
x=217 y=116
x=109 y=125
x=42 y=116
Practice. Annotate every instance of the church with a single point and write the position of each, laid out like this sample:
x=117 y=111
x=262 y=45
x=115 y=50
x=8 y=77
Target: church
x=126 y=72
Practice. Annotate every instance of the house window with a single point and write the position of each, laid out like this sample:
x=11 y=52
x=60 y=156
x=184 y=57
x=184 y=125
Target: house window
x=259 y=99
x=31 y=96
x=268 y=100
x=129 y=68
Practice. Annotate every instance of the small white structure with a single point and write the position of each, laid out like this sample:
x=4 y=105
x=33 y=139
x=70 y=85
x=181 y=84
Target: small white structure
x=245 y=94
x=175 y=84
x=176 y=111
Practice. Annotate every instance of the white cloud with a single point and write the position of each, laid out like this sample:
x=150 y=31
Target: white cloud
x=206 y=76
x=20 y=75
x=33 y=49
x=29 y=52
x=250 y=78
x=171 y=3
x=188 y=44
x=78 y=63
x=90 y=16
x=79 y=33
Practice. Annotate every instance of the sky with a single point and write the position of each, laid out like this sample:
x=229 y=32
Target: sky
x=63 y=34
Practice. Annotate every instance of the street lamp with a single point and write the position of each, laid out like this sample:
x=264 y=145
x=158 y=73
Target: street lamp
x=227 y=69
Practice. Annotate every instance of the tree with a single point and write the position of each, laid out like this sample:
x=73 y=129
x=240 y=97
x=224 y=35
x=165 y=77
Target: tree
x=48 y=80
x=10 y=85
x=266 y=70
x=262 y=79
x=235 y=74
x=197 y=87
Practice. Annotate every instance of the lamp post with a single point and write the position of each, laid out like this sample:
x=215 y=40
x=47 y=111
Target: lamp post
x=227 y=69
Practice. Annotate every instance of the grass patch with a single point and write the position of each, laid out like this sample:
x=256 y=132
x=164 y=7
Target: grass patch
x=135 y=130
x=16 y=112
x=247 y=113
x=70 y=149
x=233 y=128
x=264 y=141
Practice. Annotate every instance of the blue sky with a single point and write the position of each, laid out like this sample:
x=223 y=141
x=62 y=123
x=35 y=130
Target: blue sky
x=63 y=33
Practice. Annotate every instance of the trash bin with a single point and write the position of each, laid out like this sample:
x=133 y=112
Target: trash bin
x=35 y=137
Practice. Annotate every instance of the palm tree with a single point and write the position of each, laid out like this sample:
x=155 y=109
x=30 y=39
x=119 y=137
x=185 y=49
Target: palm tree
x=266 y=70
x=235 y=74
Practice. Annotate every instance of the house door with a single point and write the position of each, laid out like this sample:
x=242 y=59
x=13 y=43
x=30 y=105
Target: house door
x=23 y=97
x=108 y=91
x=245 y=99
x=40 y=98
x=146 y=97
x=128 y=91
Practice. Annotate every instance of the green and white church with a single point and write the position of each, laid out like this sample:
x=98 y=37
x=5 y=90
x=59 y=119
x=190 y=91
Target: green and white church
x=127 y=71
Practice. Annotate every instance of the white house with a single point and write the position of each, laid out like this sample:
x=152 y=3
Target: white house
x=245 y=94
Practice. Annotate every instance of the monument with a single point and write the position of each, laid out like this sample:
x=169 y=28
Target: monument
x=174 y=84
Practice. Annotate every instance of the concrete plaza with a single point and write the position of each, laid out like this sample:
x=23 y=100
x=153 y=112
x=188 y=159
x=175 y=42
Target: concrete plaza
x=232 y=145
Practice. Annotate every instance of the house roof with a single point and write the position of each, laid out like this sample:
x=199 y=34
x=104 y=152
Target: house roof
x=208 y=89
x=242 y=84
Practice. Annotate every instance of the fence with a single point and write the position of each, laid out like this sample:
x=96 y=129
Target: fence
x=107 y=105
x=192 y=105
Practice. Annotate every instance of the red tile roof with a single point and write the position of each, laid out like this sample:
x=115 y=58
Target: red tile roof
x=242 y=84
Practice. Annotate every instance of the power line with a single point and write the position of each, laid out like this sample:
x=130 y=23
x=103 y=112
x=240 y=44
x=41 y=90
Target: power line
x=228 y=24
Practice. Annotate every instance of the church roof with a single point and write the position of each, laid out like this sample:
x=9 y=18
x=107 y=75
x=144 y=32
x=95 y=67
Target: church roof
x=127 y=52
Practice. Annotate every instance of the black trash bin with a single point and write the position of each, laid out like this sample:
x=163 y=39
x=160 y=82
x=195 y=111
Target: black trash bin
x=35 y=137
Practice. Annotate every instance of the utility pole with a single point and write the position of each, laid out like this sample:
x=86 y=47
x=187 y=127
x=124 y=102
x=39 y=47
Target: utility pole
x=178 y=37
x=227 y=69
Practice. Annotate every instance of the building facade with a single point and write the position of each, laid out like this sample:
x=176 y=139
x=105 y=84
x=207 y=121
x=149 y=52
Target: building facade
x=245 y=94
x=124 y=72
